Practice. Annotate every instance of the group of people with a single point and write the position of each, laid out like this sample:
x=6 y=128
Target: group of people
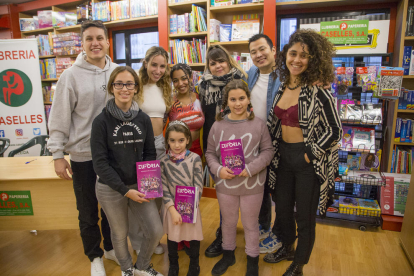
x=108 y=117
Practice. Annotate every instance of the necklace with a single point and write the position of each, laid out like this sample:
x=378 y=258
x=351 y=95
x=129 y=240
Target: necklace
x=293 y=88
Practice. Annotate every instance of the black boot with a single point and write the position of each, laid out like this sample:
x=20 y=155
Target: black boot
x=215 y=249
x=252 y=266
x=294 y=270
x=194 y=253
x=173 y=258
x=221 y=266
x=283 y=253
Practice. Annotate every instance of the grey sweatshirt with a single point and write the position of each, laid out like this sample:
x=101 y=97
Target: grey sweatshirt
x=79 y=97
x=258 y=152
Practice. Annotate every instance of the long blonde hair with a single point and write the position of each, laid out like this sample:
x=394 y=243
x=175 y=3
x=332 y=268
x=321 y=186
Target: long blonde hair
x=164 y=83
x=219 y=53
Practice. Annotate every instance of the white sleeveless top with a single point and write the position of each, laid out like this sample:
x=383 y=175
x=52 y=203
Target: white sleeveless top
x=153 y=105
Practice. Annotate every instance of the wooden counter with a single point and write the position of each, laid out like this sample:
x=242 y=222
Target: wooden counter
x=53 y=199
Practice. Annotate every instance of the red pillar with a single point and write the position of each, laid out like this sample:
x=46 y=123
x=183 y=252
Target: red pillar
x=163 y=23
x=269 y=15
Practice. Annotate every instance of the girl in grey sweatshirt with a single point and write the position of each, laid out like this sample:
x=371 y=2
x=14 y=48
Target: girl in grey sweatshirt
x=242 y=192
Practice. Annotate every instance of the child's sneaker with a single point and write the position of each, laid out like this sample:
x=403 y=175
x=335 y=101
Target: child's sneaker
x=159 y=249
x=270 y=244
x=147 y=272
x=128 y=272
x=97 y=267
x=263 y=233
x=110 y=255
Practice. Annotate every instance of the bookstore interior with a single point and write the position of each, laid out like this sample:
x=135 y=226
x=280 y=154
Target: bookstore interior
x=373 y=91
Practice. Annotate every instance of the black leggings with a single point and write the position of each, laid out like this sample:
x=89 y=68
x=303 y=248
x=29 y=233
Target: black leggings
x=296 y=183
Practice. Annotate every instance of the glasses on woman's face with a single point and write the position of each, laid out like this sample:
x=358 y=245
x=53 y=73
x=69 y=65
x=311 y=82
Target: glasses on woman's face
x=120 y=85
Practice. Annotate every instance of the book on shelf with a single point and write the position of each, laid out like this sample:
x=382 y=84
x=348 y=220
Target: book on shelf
x=187 y=51
x=48 y=90
x=48 y=68
x=360 y=139
x=71 y=19
x=407 y=59
x=36 y=21
x=225 y=32
x=149 y=178
x=232 y=155
x=219 y=3
x=186 y=203
x=101 y=11
x=139 y=8
x=58 y=19
x=120 y=10
x=214 y=30
x=409 y=27
x=406 y=99
x=84 y=11
x=403 y=130
x=45 y=19
x=63 y=63
x=402 y=159
x=67 y=44
x=27 y=24
x=48 y=107
x=245 y=26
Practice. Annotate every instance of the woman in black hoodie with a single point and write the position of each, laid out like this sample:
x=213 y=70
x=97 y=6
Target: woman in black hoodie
x=121 y=136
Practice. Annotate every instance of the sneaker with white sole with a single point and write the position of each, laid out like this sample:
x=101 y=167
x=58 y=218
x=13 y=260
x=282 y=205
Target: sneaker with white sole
x=97 y=267
x=159 y=249
x=263 y=233
x=270 y=244
x=147 y=272
x=128 y=272
x=110 y=255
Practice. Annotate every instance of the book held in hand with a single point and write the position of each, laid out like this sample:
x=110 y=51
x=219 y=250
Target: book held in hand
x=232 y=155
x=186 y=203
x=149 y=178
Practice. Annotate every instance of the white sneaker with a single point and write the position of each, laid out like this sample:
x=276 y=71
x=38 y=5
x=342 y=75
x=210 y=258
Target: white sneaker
x=147 y=272
x=110 y=255
x=128 y=272
x=137 y=252
x=97 y=267
x=159 y=249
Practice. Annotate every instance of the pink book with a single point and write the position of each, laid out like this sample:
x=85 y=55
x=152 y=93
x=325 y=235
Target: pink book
x=149 y=178
x=186 y=203
x=232 y=155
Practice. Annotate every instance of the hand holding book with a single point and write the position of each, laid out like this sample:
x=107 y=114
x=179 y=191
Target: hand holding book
x=244 y=173
x=176 y=217
x=226 y=173
x=136 y=196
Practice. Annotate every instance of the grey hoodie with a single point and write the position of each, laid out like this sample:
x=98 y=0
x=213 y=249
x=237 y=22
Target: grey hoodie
x=80 y=96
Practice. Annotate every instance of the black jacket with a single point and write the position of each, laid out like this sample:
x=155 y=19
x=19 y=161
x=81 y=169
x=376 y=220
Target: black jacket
x=117 y=146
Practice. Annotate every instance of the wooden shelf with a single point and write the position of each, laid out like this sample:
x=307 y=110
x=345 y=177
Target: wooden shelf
x=192 y=64
x=132 y=21
x=47 y=102
x=50 y=56
x=409 y=38
x=311 y=4
x=254 y=7
x=38 y=31
x=69 y=28
x=403 y=144
x=408 y=76
x=196 y=34
x=242 y=42
x=50 y=79
x=405 y=111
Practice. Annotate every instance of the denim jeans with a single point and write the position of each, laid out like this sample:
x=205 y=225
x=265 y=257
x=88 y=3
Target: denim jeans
x=84 y=179
x=145 y=214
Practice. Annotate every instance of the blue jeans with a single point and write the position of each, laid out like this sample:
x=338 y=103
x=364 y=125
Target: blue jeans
x=116 y=207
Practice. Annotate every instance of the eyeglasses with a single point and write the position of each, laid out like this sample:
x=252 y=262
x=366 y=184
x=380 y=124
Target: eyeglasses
x=119 y=85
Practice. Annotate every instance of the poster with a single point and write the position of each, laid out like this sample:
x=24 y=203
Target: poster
x=16 y=203
x=22 y=114
x=350 y=38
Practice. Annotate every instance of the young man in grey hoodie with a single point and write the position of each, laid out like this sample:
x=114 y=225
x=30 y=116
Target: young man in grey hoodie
x=79 y=97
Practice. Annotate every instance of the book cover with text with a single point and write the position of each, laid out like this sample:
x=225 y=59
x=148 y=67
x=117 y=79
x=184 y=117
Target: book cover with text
x=232 y=155
x=186 y=203
x=149 y=178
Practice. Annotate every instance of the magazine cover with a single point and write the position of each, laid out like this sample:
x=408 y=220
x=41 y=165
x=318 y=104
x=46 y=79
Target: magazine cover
x=149 y=178
x=353 y=162
x=232 y=155
x=186 y=203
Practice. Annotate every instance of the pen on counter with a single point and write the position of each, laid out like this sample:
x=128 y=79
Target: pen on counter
x=30 y=161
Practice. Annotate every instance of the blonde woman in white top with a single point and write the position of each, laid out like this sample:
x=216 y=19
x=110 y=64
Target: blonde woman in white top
x=155 y=100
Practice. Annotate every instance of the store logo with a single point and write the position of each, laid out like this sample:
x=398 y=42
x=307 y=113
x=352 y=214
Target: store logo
x=19 y=132
x=36 y=131
x=2 y=133
x=343 y=26
x=4 y=196
x=16 y=87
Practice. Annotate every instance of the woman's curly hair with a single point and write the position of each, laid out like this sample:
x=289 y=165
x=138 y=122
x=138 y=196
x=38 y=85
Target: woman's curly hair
x=164 y=83
x=320 y=66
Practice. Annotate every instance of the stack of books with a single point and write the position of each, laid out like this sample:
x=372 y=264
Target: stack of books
x=48 y=68
x=185 y=51
x=402 y=160
x=67 y=44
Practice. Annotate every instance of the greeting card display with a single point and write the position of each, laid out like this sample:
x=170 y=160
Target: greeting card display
x=149 y=178
x=186 y=203
x=347 y=138
x=232 y=155
x=369 y=162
